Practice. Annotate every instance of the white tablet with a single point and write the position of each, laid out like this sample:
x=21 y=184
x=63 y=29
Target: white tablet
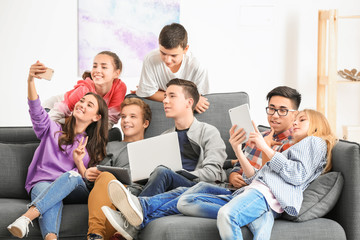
x=121 y=174
x=241 y=117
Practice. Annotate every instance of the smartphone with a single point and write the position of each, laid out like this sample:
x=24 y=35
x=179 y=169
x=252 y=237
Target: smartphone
x=241 y=117
x=47 y=75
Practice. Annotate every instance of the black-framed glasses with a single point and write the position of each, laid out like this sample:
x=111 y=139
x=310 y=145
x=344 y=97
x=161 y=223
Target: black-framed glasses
x=280 y=111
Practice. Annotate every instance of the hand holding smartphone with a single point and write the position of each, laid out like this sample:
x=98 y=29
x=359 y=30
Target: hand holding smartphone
x=47 y=74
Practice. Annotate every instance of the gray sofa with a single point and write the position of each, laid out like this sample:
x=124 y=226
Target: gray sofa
x=17 y=145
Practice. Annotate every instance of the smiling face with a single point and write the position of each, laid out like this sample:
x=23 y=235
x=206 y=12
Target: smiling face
x=103 y=72
x=281 y=123
x=132 y=123
x=172 y=57
x=301 y=126
x=86 y=109
x=175 y=103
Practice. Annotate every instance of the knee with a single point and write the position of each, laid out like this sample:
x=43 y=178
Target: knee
x=74 y=176
x=184 y=204
x=225 y=215
x=161 y=171
x=104 y=178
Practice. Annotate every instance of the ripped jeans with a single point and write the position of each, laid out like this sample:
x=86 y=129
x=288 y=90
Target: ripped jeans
x=48 y=198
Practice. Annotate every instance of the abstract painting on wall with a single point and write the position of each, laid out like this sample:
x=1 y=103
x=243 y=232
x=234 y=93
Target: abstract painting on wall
x=130 y=28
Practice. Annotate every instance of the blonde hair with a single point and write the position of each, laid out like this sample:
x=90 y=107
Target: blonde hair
x=320 y=127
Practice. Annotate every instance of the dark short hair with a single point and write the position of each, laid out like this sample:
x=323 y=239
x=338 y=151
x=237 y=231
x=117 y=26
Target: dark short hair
x=172 y=36
x=286 y=92
x=189 y=89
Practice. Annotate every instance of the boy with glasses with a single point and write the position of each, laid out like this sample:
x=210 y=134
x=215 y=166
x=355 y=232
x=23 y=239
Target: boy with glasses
x=283 y=105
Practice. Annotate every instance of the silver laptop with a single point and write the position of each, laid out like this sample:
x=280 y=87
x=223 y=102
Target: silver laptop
x=145 y=155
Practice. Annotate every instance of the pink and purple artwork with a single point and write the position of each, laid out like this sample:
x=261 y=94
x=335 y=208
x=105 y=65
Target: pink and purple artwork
x=130 y=28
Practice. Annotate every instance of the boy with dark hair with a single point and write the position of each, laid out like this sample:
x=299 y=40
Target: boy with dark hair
x=283 y=103
x=169 y=62
x=201 y=146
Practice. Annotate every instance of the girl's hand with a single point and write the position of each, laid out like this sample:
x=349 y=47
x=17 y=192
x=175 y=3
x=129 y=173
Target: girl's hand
x=80 y=152
x=35 y=69
x=236 y=138
x=256 y=139
x=92 y=173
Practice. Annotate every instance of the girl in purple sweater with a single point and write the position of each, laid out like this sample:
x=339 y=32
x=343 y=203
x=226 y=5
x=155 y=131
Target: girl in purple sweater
x=66 y=154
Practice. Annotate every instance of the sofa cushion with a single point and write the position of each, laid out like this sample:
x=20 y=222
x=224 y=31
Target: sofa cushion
x=320 y=197
x=14 y=160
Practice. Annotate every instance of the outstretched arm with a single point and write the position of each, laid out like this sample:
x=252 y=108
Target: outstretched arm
x=34 y=70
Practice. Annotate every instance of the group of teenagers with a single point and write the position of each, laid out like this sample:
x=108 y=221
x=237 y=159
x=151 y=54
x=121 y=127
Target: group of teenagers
x=271 y=171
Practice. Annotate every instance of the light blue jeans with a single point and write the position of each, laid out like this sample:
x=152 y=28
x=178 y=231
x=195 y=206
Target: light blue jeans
x=232 y=212
x=165 y=204
x=48 y=198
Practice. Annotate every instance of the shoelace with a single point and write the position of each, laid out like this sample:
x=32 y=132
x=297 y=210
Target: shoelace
x=126 y=223
x=27 y=225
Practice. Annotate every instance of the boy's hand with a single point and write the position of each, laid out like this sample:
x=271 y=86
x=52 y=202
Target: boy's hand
x=202 y=105
x=92 y=173
x=236 y=180
x=134 y=91
x=270 y=140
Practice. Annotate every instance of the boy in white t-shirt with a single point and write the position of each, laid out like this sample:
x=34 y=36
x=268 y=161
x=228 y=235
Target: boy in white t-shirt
x=171 y=61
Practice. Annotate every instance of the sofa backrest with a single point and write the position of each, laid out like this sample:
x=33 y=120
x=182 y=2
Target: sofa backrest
x=17 y=147
x=217 y=115
x=346 y=159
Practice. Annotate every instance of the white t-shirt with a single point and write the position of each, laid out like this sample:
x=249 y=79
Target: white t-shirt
x=155 y=74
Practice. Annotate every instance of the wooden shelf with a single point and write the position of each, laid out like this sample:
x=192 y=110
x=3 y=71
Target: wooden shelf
x=327 y=76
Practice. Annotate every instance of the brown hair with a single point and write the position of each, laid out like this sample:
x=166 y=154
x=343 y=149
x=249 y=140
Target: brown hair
x=116 y=61
x=320 y=127
x=172 y=36
x=189 y=89
x=96 y=131
x=146 y=111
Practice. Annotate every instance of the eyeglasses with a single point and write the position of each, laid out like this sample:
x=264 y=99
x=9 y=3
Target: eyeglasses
x=280 y=112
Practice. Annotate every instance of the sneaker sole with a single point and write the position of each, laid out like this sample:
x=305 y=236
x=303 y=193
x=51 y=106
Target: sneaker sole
x=119 y=196
x=15 y=232
x=113 y=222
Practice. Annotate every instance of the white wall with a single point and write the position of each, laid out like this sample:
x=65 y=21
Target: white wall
x=248 y=45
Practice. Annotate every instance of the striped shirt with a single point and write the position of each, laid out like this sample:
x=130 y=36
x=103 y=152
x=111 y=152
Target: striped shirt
x=254 y=155
x=289 y=173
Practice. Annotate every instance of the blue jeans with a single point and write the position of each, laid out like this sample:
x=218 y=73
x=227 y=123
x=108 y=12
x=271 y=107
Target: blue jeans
x=166 y=204
x=163 y=179
x=232 y=212
x=247 y=208
x=47 y=198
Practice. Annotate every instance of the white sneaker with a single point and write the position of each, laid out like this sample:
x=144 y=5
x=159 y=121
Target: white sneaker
x=20 y=227
x=128 y=204
x=121 y=225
